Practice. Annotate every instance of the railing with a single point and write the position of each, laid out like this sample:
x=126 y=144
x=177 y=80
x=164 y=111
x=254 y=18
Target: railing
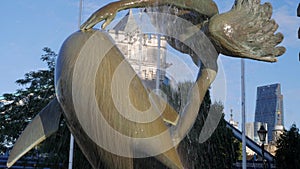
x=250 y=143
x=29 y=163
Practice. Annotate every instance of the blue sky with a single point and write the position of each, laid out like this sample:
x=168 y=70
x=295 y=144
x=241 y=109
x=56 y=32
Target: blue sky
x=29 y=25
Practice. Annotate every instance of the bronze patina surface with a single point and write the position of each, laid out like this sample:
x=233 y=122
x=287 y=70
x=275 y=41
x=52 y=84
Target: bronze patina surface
x=86 y=86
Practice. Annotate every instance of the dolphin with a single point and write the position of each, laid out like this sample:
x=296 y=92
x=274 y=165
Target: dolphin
x=111 y=115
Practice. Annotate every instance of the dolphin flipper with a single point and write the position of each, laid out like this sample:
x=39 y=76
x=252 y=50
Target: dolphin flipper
x=171 y=159
x=41 y=127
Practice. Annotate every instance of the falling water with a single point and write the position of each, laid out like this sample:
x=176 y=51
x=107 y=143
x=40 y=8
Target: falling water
x=153 y=55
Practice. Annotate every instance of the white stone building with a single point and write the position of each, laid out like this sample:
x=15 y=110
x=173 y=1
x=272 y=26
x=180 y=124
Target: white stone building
x=144 y=51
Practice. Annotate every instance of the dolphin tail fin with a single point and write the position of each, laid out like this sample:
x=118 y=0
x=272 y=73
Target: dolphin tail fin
x=41 y=127
x=171 y=159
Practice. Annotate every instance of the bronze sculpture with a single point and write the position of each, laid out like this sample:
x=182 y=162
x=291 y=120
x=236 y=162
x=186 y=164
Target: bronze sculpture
x=86 y=81
x=241 y=32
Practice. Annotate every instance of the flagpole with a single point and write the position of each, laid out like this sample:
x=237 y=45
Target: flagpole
x=71 y=152
x=244 y=160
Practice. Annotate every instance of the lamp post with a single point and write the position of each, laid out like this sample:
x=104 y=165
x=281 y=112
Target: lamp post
x=262 y=132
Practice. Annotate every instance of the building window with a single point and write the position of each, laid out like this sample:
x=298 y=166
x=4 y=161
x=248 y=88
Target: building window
x=145 y=74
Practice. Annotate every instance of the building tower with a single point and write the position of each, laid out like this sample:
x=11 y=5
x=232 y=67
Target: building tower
x=232 y=122
x=141 y=50
x=269 y=107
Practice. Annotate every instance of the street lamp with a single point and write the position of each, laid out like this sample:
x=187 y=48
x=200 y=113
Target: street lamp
x=262 y=132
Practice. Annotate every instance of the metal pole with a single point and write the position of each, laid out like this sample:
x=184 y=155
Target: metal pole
x=71 y=152
x=80 y=13
x=263 y=155
x=243 y=114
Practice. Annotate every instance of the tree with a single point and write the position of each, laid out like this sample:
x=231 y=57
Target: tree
x=288 y=149
x=26 y=102
x=221 y=150
x=38 y=90
x=178 y=98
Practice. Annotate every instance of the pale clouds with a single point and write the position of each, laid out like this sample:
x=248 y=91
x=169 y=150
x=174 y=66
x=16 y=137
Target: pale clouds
x=288 y=24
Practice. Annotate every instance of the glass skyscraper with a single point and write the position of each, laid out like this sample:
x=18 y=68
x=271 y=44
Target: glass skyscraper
x=269 y=107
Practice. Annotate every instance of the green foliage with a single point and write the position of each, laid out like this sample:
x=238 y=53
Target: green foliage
x=178 y=98
x=38 y=90
x=221 y=150
x=26 y=102
x=288 y=152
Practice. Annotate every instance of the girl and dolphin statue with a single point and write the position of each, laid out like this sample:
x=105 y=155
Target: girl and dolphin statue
x=111 y=115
